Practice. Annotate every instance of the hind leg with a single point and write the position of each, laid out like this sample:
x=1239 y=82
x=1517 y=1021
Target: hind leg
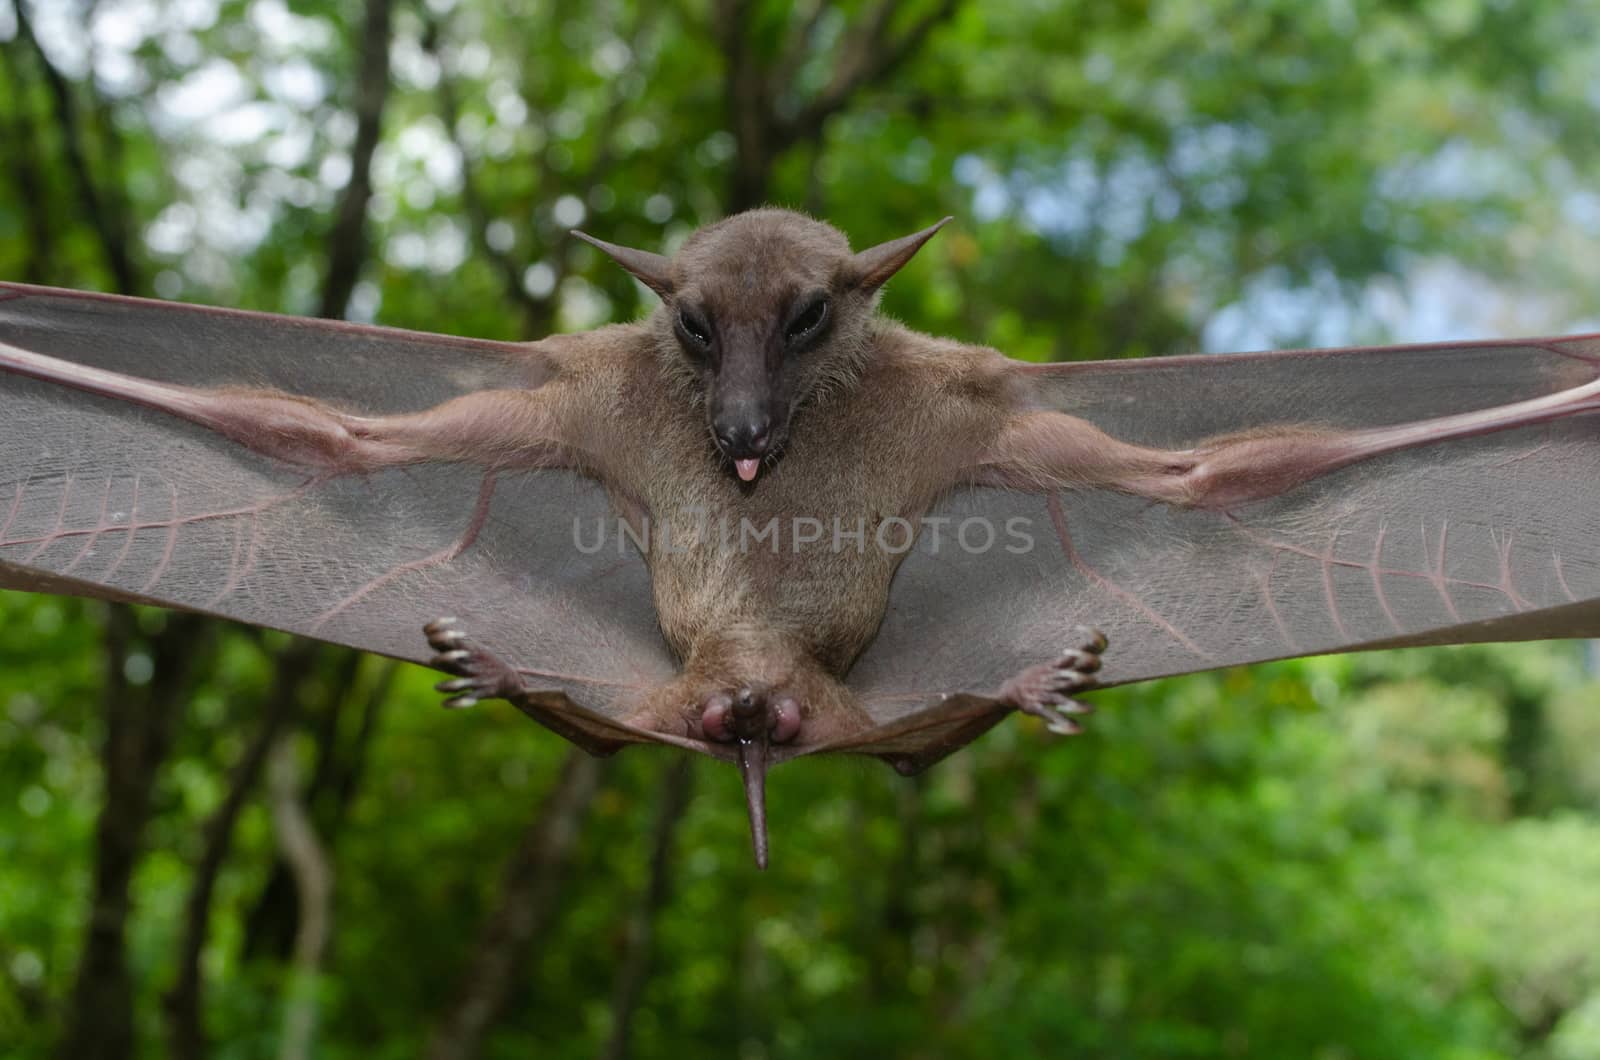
x=481 y=674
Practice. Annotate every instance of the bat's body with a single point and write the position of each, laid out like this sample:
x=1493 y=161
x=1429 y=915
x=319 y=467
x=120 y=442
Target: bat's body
x=771 y=446
x=796 y=556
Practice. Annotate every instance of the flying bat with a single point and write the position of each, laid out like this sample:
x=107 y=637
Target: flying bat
x=766 y=521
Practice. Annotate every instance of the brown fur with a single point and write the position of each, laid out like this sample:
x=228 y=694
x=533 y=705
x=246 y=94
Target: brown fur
x=860 y=410
x=863 y=408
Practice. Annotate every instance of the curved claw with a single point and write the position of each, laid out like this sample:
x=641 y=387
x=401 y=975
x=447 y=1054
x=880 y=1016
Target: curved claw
x=1063 y=726
x=1068 y=705
x=479 y=674
x=1079 y=662
x=1092 y=639
x=1045 y=691
x=443 y=633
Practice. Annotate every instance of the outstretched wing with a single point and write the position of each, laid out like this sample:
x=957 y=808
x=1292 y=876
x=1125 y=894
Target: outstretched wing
x=1495 y=537
x=104 y=498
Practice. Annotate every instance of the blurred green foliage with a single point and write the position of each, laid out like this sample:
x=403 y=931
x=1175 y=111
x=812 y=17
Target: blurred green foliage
x=1390 y=855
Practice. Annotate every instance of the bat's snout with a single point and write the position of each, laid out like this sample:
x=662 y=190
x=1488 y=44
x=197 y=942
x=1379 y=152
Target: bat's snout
x=747 y=436
x=745 y=433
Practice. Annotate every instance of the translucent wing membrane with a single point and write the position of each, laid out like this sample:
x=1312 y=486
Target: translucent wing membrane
x=104 y=498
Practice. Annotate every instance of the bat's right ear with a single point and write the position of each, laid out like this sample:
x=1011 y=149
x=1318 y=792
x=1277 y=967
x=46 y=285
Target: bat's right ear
x=871 y=268
x=652 y=270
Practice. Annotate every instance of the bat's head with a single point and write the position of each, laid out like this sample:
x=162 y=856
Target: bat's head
x=763 y=312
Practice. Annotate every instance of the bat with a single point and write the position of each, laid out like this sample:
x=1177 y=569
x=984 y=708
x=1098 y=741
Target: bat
x=766 y=521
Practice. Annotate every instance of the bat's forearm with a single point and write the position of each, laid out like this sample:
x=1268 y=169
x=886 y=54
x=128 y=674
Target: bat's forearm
x=494 y=428
x=1051 y=450
x=1045 y=451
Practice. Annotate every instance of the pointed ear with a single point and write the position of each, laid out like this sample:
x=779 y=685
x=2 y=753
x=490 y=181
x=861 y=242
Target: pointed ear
x=652 y=270
x=871 y=268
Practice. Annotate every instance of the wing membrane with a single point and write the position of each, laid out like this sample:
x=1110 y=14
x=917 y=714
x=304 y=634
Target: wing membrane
x=1490 y=538
x=101 y=497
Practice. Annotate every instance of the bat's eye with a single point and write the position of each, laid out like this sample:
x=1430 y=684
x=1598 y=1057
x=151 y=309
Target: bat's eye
x=696 y=330
x=808 y=322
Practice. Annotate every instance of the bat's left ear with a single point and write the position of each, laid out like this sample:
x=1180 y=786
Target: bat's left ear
x=872 y=267
x=652 y=270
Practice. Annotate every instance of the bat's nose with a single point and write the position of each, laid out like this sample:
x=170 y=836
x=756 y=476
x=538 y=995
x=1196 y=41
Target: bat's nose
x=746 y=435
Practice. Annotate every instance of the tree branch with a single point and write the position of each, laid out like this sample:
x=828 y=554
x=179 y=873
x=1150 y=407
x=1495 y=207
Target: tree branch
x=796 y=50
x=119 y=212
x=529 y=890
x=536 y=313
x=867 y=58
x=346 y=776
x=113 y=239
x=348 y=239
x=747 y=96
x=274 y=918
x=186 y=1028
x=762 y=134
x=313 y=877
x=21 y=131
x=140 y=720
x=346 y=666
x=633 y=972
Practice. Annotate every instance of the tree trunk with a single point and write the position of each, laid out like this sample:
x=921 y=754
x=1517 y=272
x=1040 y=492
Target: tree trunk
x=313 y=878
x=529 y=890
x=186 y=1027
x=348 y=241
x=140 y=720
x=634 y=970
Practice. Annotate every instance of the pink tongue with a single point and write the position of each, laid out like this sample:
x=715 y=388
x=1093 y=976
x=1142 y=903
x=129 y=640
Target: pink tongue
x=747 y=469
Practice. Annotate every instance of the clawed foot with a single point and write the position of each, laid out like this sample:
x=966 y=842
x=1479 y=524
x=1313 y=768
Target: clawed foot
x=480 y=673
x=1045 y=691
